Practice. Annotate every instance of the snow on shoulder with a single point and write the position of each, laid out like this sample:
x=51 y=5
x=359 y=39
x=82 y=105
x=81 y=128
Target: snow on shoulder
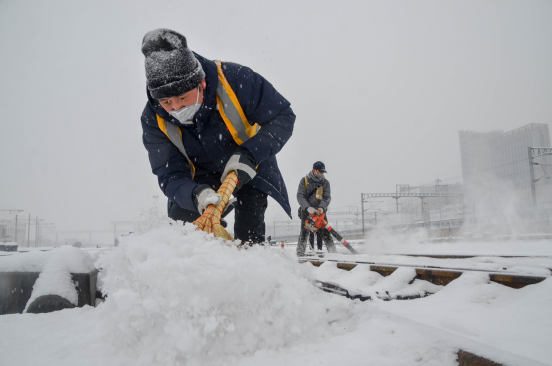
x=177 y=295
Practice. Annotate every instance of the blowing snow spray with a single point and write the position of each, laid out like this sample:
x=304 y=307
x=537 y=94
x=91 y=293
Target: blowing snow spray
x=316 y=222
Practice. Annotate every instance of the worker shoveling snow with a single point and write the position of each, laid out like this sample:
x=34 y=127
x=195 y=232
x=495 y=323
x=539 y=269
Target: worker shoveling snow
x=175 y=294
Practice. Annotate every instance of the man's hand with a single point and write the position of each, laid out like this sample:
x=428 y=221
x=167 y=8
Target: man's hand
x=320 y=211
x=205 y=196
x=243 y=163
x=311 y=210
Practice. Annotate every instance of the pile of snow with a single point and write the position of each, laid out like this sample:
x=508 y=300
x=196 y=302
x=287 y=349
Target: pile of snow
x=176 y=295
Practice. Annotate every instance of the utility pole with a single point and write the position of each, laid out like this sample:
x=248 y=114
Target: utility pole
x=362 y=209
x=29 y=232
x=532 y=174
x=15 y=234
x=36 y=234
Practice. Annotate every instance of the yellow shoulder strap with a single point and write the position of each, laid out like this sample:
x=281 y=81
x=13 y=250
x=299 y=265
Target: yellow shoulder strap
x=305 y=184
x=176 y=139
x=231 y=111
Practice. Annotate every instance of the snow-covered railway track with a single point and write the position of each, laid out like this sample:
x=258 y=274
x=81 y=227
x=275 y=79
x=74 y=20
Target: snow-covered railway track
x=466 y=256
x=437 y=275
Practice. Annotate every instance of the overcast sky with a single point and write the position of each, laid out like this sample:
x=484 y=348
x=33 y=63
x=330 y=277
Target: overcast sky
x=380 y=90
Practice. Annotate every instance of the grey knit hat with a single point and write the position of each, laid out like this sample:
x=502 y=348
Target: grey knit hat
x=171 y=67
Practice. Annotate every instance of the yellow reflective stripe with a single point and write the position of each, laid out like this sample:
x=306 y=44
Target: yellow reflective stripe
x=249 y=129
x=228 y=123
x=163 y=127
x=161 y=123
x=305 y=184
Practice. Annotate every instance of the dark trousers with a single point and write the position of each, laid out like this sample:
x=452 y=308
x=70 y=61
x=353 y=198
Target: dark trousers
x=318 y=240
x=250 y=210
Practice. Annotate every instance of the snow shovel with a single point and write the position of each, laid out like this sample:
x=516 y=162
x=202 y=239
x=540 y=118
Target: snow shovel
x=210 y=220
x=316 y=222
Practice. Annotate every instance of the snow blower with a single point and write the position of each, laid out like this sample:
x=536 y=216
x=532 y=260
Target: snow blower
x=316 y=222
x=210 y=220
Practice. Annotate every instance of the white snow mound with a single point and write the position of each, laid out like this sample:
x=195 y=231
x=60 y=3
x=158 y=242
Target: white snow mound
x=176 y=295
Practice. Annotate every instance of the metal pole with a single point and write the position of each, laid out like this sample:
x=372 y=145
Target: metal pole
x=362 y=207
x=532 y=174
x=15 y=234
x=36 y=234
x=29 y=232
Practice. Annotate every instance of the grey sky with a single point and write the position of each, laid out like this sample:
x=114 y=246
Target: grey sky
x=380 y=90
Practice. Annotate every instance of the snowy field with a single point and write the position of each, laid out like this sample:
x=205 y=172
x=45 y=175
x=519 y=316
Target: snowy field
x=181 y=297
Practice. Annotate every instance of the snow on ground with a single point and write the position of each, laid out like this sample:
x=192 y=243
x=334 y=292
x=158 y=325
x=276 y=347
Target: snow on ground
x=180 y=297
x=514 y=320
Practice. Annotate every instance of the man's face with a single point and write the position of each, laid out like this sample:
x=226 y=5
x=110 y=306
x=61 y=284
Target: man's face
x=184 y=100
x=316 y=172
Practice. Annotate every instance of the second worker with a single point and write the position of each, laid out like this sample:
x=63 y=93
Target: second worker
x=314 y=196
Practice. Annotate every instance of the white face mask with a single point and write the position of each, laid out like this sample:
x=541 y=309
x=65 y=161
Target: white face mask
x=185 y=115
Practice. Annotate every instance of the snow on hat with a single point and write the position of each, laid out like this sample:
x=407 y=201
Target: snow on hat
x=171 y=67
x=319 y=166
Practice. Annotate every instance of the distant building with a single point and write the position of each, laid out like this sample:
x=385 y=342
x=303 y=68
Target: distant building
x=475 y=150
x=499 y=160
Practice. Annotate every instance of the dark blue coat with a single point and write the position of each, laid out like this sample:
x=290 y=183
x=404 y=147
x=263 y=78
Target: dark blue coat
x=209 y=144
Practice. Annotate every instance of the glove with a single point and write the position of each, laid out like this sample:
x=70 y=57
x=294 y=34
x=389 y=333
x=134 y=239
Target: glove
x=311 y=210
x=243 y=163
x=205 y=196
x=320 y=211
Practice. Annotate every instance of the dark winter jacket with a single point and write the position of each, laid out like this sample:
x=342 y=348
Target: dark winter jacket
x=307 y=197
x=209 y=144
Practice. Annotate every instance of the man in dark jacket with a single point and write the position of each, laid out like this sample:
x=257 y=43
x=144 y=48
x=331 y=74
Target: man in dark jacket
x=314 y=196
x=182 y=91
